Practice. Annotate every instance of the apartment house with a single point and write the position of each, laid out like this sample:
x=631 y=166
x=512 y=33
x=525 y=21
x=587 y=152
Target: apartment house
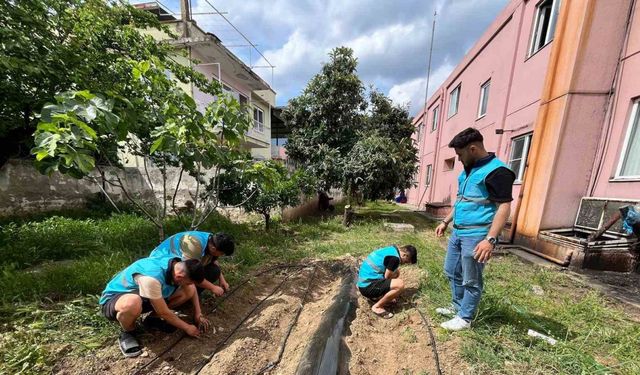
x=553 y=87
x=217 y=62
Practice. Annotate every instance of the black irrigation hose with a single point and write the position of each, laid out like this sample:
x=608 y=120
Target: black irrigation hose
x=215 y=307
x=219 y=346
x=293 y=322
x=433 y=340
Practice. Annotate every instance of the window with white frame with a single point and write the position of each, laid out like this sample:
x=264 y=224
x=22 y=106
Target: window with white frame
x=258 y=119
x=519 y=153
x=454 y=100
x=434 y=119
x=629 y=165
x=428 y=173
x=484 y=98
x=544 y=25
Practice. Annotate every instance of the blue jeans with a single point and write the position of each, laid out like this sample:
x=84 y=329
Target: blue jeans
x=464 y=274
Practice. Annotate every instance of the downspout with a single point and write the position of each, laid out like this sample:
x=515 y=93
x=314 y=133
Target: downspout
x=436 y=152
x=514 y=221
x=511 y=74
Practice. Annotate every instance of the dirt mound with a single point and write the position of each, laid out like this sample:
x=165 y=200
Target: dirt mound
x=253 y=322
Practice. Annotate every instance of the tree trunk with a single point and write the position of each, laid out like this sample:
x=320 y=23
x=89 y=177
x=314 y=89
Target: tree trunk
x=267 y=218
x=347 y=219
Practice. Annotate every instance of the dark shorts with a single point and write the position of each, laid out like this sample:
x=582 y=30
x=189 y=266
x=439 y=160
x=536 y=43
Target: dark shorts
x=108 y=309
x=376 y=289
x=211 y=273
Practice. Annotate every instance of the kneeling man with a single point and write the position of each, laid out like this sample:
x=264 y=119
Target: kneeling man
x=152 y=284
x=205 y=247
x=379 y=277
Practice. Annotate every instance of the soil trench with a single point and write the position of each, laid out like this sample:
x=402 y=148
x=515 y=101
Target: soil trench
x=371 y=345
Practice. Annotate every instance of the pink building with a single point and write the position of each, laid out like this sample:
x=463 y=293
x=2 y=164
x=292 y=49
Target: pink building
x=553 y=86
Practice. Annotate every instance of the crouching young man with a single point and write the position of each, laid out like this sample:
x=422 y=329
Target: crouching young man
x=205 y=247
x=152 y=284
x=379 y=277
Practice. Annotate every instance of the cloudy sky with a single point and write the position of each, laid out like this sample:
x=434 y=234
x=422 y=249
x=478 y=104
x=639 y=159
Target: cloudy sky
x=390 y=38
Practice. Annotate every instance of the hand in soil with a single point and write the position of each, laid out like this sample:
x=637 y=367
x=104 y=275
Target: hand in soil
x=224 y=285
x=203 y=323
x=192 y=331
x=217 y=290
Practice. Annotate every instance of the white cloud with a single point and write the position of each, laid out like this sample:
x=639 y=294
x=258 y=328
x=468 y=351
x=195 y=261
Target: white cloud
x=412 y=91
x=389 y=38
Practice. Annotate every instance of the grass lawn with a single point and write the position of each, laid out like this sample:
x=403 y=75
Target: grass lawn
x=52 y=269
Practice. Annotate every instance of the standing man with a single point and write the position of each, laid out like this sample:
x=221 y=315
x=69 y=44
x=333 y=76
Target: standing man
x=481 y=209
x=205 y=247
x=379 y=276
x=152 y=285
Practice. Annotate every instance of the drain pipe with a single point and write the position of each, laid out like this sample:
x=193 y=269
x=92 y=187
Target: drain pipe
x=322 y=354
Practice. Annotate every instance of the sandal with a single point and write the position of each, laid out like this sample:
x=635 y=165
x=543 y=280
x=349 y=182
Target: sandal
x=154 y=322
x=384 y=314
x=129 y=345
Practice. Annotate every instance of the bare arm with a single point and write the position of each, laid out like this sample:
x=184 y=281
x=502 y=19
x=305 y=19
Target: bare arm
x=206 y=284
x=161 y=308
x=388 y=274
x=502 y=215
x=482 y=252
x=440 y=229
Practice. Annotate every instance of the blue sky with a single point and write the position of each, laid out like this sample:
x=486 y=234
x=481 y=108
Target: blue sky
x=390 y=38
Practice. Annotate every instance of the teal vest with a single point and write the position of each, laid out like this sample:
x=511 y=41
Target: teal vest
x=372 y=267
x=123 y=282
x=171 y=245
x=473 y=211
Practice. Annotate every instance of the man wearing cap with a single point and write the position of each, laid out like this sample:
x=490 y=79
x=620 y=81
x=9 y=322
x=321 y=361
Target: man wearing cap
x=379 y=276
x=153 y=285
x=205 y=247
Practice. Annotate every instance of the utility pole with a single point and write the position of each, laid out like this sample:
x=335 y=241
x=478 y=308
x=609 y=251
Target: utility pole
x=426 y=100
x=185 y=11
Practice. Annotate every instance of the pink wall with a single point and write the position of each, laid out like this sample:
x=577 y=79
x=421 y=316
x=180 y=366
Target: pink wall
x=211 y=71
x=628 y=90
x=589 y=148
x=516 y=83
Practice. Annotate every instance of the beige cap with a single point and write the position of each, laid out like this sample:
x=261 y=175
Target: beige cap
x=191 y=247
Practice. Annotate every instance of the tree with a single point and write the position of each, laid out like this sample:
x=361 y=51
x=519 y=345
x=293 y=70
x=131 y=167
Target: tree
x=384 y=158
x=349 y=142
x=263 y=187
x=325 y=119
x=158 y=122
x=53 y=46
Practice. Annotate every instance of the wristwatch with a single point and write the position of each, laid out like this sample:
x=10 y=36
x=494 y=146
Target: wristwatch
x=492 y=240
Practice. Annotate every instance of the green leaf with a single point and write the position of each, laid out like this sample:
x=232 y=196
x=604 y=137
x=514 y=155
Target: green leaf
x=156 y=144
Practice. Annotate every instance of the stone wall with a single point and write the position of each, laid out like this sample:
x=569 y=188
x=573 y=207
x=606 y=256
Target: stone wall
x=24 y=190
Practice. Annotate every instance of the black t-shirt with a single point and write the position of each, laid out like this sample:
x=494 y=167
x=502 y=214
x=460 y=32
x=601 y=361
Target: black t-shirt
x=391 y=263
x=499 y=182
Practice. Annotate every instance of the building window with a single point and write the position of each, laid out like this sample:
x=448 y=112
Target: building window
x=629 y=166
x=454 y=100
x=518 y=158
x=243 y=100
x=484 y=98
x=544 y=26
x=434 y=119
x=449 y=164
x=428 y=173
x=258 y=119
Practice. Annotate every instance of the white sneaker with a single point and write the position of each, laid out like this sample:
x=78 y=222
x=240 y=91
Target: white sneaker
x=446 y=311
x=456 y=324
